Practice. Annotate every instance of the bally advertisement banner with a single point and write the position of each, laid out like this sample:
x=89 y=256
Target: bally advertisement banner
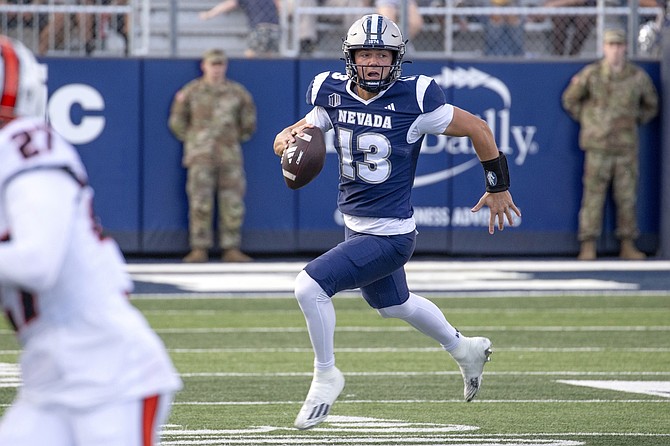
x=116 y=111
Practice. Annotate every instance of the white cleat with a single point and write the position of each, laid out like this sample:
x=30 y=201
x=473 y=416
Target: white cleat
x=471 y=355
x=325 y=388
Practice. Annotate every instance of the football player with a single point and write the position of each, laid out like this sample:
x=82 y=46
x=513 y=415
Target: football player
x=93 y=371
x=380 y=119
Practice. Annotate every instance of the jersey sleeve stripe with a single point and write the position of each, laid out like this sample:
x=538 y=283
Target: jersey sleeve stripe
x=316 y=85
x=421 y=87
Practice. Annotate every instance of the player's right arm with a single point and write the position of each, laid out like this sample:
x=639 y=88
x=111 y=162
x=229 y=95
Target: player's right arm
x=286 y=137
x=41 y=179
x=317 y=117
x=40 y=206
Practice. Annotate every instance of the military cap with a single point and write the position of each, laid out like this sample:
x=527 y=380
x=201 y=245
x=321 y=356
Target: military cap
x=214 y=56
x=614 y=36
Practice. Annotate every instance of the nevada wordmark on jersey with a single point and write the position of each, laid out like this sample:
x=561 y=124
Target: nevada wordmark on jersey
x=378 y=140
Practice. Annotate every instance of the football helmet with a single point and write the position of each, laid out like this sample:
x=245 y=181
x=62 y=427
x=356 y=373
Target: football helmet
x=373 y=31
x=23 y=89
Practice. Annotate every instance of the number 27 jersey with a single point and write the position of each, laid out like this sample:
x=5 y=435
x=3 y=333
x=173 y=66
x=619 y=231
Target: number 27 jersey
x=378 y=140
x=83 y=342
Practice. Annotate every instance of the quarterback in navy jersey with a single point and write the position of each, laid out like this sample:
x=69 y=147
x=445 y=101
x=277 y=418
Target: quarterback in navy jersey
x=386 y=130
x=380 y=119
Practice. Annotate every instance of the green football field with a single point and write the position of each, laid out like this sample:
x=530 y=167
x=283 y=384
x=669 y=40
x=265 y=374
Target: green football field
x=566 y=370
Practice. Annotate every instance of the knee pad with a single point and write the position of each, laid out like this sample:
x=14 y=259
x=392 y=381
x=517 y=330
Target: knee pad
x=397 y=311
x=306 y=288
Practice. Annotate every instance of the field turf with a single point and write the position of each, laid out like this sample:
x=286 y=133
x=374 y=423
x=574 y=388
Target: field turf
x=566 y=370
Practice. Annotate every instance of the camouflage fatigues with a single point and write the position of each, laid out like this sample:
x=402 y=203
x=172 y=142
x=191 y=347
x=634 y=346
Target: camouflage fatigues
x=212 y=121
x=610 y=107
x=264 y=39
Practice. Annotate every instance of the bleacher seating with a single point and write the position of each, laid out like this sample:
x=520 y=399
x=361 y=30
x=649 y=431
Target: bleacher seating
x=194 y=36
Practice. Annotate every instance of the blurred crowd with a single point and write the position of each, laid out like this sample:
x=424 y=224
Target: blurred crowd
x=269 y=28
x=66 y=26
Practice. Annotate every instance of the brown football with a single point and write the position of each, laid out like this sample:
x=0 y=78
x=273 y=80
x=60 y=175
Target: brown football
x=302 y=161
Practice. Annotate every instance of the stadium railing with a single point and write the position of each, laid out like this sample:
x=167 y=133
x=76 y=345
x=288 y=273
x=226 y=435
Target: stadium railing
x=172 y=28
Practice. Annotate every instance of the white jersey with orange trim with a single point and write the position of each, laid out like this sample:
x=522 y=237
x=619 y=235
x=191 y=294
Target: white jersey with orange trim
x=64 y=286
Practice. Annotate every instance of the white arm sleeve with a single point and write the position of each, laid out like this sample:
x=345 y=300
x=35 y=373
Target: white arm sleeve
x=40 y=206
x=318 y=117
x=433 y=123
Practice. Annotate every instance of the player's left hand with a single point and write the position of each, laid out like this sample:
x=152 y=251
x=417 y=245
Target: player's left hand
x=501 y=206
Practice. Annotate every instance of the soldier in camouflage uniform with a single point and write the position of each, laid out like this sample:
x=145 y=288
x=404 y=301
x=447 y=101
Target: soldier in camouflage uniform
x=212 y=115
x=610 y=98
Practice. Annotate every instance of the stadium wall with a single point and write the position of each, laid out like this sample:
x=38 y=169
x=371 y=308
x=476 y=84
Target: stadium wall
x=115 y=111
x=664 y=234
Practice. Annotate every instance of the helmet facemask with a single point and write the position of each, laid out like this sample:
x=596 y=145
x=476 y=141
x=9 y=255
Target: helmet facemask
x=374 y=32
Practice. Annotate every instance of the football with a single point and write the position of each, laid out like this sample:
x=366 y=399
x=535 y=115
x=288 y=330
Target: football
x=302 y=161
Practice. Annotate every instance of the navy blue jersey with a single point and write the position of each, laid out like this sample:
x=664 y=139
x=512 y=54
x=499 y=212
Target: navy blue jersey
x=377 y=140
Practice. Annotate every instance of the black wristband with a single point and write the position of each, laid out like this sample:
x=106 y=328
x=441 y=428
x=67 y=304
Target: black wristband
x=496 y=174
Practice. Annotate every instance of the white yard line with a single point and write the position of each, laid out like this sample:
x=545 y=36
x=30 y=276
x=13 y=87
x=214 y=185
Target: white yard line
x=412 y=265
x=422 y=350
x=407 y=350
x=420 y=401
x=413 y=374
x=486 y=278
x=634 y=328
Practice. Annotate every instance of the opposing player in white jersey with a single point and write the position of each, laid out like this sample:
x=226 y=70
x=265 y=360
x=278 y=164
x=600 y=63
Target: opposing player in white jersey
x=380 y=120
x=94 y=373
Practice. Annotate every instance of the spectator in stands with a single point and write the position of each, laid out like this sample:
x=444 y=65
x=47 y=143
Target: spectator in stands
x=55 y=33
x=561 y=25
x=650 y=35
x=392 y=9
x=583 y=24
x=610 y=98
x=348 y=6
x=212 y=115
x=13 y=20
x=347 y=12
x=263 y=16
x=621 y=21
x=503 y=34
x=307 y=33
x=118 y=23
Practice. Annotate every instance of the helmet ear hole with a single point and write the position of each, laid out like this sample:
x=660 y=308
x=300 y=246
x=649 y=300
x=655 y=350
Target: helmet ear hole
x=374 y=31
